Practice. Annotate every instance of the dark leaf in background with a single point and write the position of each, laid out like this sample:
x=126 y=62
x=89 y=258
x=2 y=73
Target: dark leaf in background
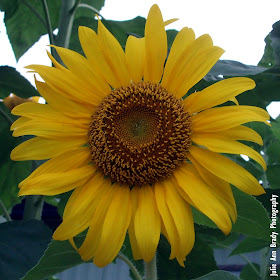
x=249 y=273
x=275 y=41
x=273 y=177
x=267 y=60
x=59 y=256
x=218 y=275
x=12 y=82
x=24 y=28
x=199 y=262
x=21 y=246
x=249 y=244
x=11 y=172
x=252 y=217
x=231 y=68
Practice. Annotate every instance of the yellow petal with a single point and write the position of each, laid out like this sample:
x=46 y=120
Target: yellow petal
x=80 y=207
x=155 y=46
x=217 y=94
x=197 y=68
x=70 y=85
x=204 y=200
x=40 y=148
x=135 y=55
x=169 y=21
x=223 y=118
x=113 y=233
x=79 y=66
x=92 y=49
x=45 y=112
x=182 y=215
x=222 y=144
x=181 y=42
x=131 y=229
x=227 y=170
x=188 y=50
x=114 y=54
x=54 y=62
x=57 y=183
x=92 y=240
x=168 y=222
x=219 y=187
x=51 y=130
x=56 y=99
x=62 y=163
x=147 y=223
x=19 y=122
x=242 y=133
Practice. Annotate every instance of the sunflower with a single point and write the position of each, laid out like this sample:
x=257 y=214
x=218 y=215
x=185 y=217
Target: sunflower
x=137 y=156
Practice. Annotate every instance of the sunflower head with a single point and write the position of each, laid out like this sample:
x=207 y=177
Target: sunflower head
x=117 y=132
x=139 y=134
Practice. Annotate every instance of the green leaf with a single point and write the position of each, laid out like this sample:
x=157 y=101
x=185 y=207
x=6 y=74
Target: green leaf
x=218 y=275
x=62 y=202
x=267 y=60
x=272 y=173
x=11 y=172
x=276 y=128
x=199 y=262
x=231 y=68
x=268 y=84
x=252 y=217
x=248 y=273
x=22 y=243
x=171 y=34
x=249 y=244
x=273 y=152
x=24 y=28
x=59 y=256
x=12 y=82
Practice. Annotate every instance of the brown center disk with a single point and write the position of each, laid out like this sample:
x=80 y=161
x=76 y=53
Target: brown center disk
x=139 y=134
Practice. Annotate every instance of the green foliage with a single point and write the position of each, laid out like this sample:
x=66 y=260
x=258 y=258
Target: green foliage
x=12 y=82
x=58 y=257
x=11 y=172
x=249 y=244
x=249 y=273
x=271 y=55
x=24 y=27
x=21 y=246
x=218 y=275
x=252 y=217
x=199 y=262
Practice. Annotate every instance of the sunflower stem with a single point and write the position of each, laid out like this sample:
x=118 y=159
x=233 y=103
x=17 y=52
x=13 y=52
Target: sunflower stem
x=48 y=20
x=5 y=211
x=133 y=269
x=65 y=23
x=151 y=269
x=33 y=207
x=33 y=203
